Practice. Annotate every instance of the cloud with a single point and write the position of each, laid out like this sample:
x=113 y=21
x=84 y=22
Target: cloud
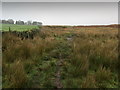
x=62 y=13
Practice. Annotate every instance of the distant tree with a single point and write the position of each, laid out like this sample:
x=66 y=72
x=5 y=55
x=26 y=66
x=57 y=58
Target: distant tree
x=0 y=21
x=34 y=23
x=20 y=22
x=29 y=22
x=39 y=23
x=25 y=23
x=10 y=21
x=4 y=22
x=16 y=22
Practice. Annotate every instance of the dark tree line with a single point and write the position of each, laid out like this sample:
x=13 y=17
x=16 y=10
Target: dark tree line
x=11 y=21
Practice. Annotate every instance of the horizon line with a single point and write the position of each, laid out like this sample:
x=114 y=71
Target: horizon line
x=82 y=24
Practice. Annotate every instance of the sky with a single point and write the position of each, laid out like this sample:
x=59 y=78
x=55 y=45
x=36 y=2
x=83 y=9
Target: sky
x=60 y=0
x=62 y=13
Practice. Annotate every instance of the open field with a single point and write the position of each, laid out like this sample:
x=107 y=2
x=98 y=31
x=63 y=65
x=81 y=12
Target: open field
x=61 y=57
x=14 y=27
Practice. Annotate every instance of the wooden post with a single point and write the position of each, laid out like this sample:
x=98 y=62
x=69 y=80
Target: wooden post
x=9 y=29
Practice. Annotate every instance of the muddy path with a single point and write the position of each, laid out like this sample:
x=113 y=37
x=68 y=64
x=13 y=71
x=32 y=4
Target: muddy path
x=59 y=65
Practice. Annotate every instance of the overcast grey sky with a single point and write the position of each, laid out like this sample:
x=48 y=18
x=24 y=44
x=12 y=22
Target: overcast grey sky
x=60 y=0
x=62 y=13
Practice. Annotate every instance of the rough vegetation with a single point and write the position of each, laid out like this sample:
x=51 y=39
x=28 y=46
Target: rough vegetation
x=61 y=57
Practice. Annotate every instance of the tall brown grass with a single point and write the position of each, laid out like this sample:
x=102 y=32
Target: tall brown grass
x=90 y=58
x=89 y=81
x=16 y=75
x=79 y=66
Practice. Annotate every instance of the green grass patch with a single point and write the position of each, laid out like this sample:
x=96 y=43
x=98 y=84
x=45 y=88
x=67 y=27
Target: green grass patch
x=14 y=27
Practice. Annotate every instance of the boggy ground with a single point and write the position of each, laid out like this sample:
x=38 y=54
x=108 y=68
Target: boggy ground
x=62 y=57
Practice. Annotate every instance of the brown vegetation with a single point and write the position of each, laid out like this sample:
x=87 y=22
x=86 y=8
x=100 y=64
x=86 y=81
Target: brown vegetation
x=89 y=58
